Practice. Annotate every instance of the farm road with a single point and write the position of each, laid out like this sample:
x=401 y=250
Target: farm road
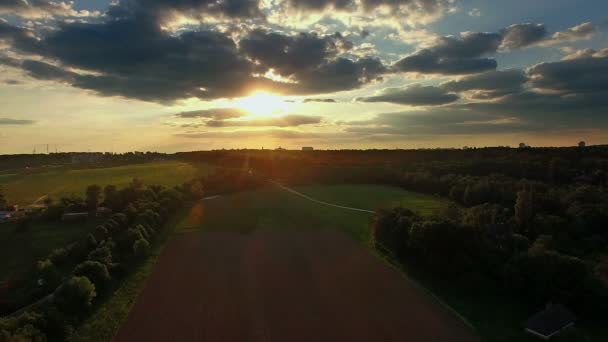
x=282 y=285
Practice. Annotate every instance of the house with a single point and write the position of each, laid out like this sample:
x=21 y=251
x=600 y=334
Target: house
x=550 y=322
x=74 y=216
x=307 y=148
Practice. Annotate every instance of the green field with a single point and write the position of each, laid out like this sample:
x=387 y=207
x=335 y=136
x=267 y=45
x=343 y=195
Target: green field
x=26 y=187
x=272 y=207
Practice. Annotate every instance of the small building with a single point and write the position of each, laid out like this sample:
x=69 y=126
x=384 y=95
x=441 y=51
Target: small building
x=71 y=217
x=550 y=322
x=307 y=148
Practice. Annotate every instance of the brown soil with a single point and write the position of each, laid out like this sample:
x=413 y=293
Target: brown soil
x=282 y=286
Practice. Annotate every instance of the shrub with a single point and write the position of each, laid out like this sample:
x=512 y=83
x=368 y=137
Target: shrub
x=96 y=272
x=75 y=295
x=102 y=254
x=141 y=248
x=48 y=273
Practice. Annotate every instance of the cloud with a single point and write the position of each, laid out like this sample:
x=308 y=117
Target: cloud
x=523 y=35
x=11 y=81
x=578 y=32
x=34 y=9
x=574 y=76
x=268 y=133
x=467 y=53
x=408 y=12
x=289 y=55
x=8 y=121
x=214 y=113
x=165 y=10
x=311 y=61
x=319 y=100
x=587 y=53
x=290 y=120
x=454 y=55
x=475 y=12
x=415 y=95
x=489 y=84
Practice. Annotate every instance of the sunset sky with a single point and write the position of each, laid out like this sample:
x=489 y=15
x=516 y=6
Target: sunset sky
x=184 y=75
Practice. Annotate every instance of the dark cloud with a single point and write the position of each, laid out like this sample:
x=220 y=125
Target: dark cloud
x=337 y=75
x=134 y=58
x=467 y=53
x=319 y=100
x=289 y=55
x=160 y=10
x=578 y=32
x=11 y=82
x=214 y=113
x=405 y=10
x=320 y=5
x=521 y=35
x=45 y=71
x=269 y=133
x=454 y=55
x=576 y=76
x=290 y=120
x=415 y=95
x=41 y=8
x=8 y=121
x=489 y=84
x=587 y=53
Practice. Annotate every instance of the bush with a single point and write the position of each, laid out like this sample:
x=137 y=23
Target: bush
x=96 y=272
x=26 y=327
x=390 y=229
x=75 y=295
x=141 y=248
x=102 y=254
x=48 y=273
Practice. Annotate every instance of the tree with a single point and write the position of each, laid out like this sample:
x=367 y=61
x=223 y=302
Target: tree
x=524 y=210
x=93 y=193
x=96 y=272
x=48 y=273
x=3 y=200
x=141 y=248
x=75 y=295
x=111 y=197
x=102 y=254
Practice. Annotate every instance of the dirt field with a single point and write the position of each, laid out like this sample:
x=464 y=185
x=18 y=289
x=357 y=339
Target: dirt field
x=283 y=285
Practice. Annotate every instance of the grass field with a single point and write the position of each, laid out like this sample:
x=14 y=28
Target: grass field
x=271 y=207
x=25 y=188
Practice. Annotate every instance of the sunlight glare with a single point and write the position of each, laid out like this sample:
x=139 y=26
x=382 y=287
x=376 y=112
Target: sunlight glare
x=262 y=104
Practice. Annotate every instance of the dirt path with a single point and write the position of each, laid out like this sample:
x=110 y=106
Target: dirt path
x=297 y=193
x=305 y=285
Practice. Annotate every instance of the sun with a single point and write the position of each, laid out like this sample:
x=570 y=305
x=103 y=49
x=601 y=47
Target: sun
x=262 y=104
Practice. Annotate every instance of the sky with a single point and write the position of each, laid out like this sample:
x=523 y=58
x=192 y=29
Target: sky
x=182 y=75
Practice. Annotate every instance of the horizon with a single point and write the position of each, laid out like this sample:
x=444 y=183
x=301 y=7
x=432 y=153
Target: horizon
x=133 y=75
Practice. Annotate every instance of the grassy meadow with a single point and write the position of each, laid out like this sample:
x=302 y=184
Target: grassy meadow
x=26 y=187
x=272 y=207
